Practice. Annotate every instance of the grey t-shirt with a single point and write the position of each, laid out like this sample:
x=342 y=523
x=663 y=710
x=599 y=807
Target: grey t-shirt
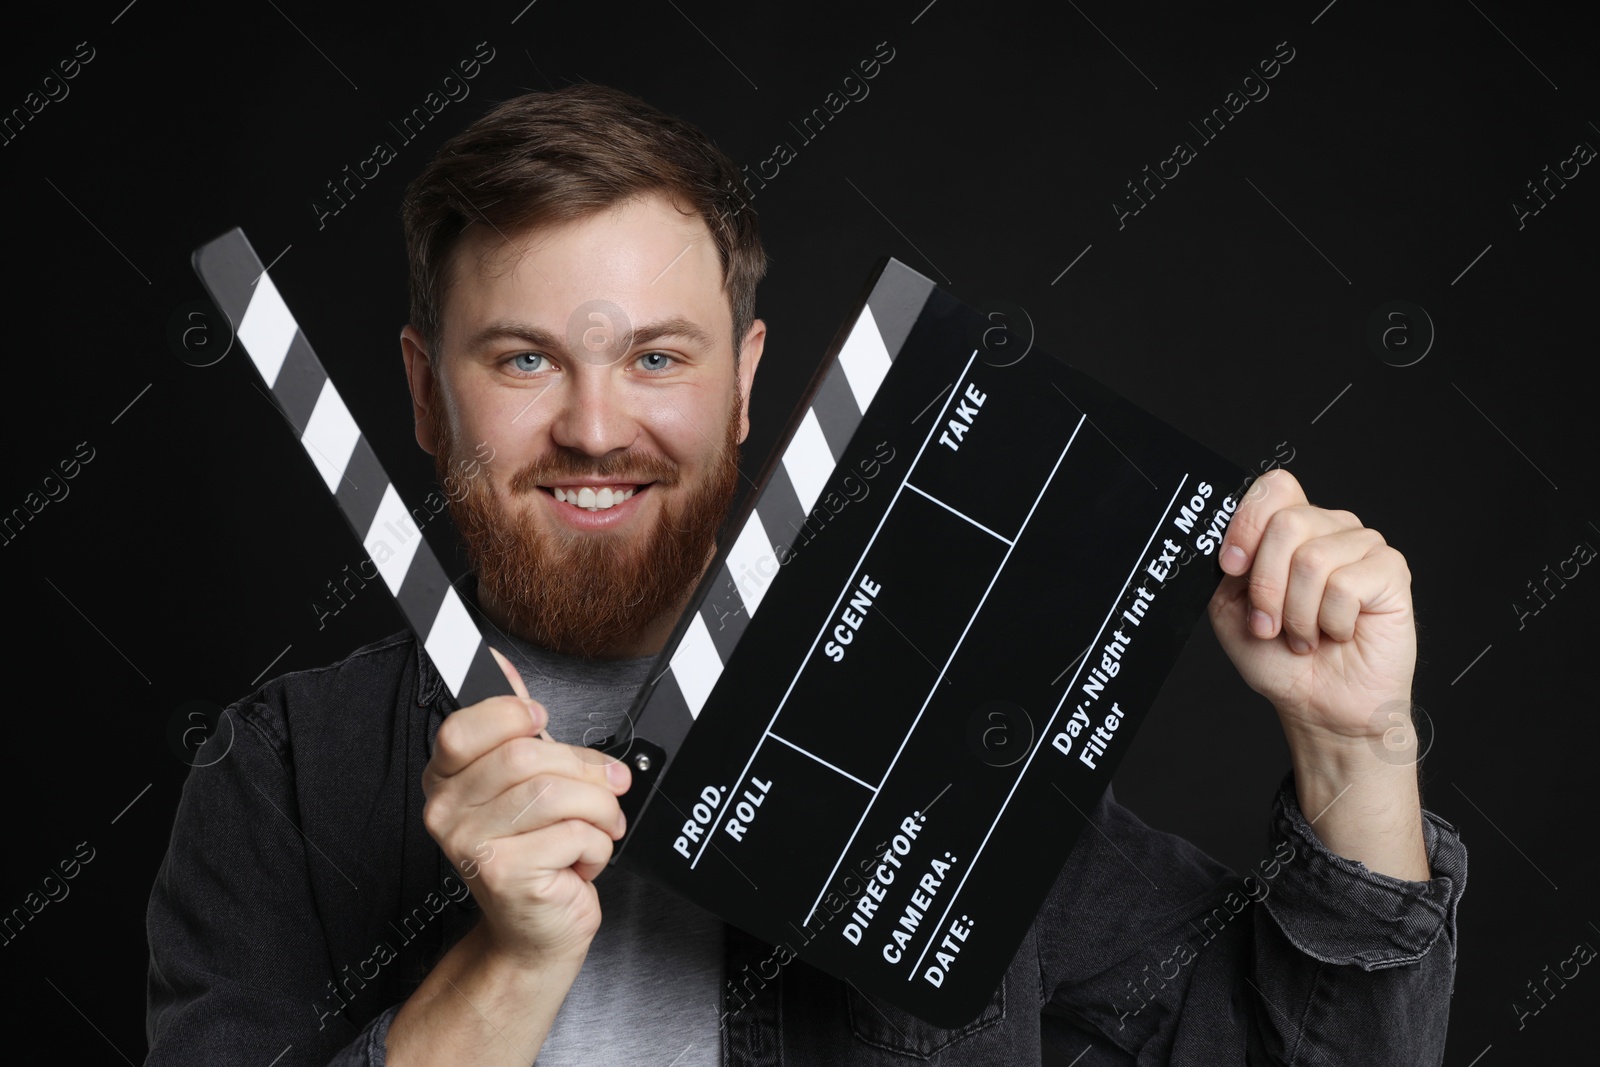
x=650 y=988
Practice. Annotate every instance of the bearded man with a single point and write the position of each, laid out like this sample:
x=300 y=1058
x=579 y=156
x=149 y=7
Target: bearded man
x=373 y=875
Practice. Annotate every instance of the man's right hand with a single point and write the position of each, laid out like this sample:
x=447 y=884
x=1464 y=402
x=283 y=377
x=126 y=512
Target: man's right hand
x=528 y=822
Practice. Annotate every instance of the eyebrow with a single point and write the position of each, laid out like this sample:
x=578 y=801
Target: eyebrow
x=537 y=337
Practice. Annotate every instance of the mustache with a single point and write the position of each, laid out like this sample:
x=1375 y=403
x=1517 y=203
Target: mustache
x=626 y=467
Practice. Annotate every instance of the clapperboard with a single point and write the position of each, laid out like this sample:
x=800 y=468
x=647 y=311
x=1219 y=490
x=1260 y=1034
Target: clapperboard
x=925 y=644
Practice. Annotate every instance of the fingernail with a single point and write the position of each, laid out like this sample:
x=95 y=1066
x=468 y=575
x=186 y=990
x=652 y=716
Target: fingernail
x=1232 y=558
x=1299 y=645
x=537 y=713
x=617 y=773
x=1261 y=623
x=622 y=823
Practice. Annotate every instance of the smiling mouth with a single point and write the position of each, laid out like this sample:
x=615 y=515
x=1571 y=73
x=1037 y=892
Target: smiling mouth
x=595 y=497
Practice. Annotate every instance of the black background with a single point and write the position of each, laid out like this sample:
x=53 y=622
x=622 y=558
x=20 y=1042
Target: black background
x=1382 y=167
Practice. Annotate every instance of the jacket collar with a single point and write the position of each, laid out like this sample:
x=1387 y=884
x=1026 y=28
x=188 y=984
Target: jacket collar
x=430 y=683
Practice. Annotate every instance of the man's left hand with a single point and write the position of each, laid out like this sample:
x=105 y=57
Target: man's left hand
x=1315 y=613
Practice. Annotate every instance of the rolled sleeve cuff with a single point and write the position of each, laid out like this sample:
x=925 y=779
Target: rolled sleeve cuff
x=370 y=1047
x=1337 y=910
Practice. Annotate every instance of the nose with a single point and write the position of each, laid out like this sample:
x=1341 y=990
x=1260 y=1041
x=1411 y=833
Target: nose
x=592 y=415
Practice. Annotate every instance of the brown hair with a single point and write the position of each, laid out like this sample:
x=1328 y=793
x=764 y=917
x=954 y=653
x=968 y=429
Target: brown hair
x=552 y=157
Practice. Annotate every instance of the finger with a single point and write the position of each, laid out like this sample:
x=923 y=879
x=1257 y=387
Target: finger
x=588 y=871
x=519 y=759
x=512 y=865
x=554 y=848
x=1269 y=493
x=1286 y=531
x=1309 y=570
x=475 y=731
x=1378 y=582
x=515 y=679
x=542 y=801
x=528 y=811
x=592 y=849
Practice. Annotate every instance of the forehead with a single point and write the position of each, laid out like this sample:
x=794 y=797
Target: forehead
x=643 y=256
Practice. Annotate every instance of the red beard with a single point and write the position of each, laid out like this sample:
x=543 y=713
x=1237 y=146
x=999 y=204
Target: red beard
x=586 y=593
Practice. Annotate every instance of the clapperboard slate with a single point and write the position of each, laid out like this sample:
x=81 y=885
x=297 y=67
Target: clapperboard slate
x=924 y=647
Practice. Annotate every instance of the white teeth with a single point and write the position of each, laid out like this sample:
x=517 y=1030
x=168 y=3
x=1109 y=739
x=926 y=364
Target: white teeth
x=591 y=499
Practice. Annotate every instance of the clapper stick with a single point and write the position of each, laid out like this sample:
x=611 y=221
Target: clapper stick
x=280 y=352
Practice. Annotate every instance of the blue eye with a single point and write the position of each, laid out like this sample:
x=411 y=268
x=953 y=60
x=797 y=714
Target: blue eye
x=518 y=361
x=666 y=360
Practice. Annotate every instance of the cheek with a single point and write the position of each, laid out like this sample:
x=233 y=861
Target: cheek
x=688 y=434
x=500 y=439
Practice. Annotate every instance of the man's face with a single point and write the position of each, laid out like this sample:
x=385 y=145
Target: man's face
x=592 y=358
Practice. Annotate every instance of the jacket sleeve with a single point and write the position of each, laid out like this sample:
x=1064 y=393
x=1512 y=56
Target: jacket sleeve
x=1152 y=948
x=239 y=963
x=1351 y=965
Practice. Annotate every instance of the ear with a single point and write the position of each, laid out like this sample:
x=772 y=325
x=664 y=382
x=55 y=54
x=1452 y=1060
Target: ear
x=419 y=376
x=749 y=357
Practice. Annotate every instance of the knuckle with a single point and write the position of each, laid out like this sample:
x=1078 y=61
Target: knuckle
x=1274 y=482
x=1295 y=522
x=584 y=834
x=539 y=795
x=577 y=831
x=1340 y=586
x=1398 y=559
x=1309 y=560
x=456 y=850
x=448 y=741
x=1275 y=529
x=588 y=837
x=521 y=756
x=436 y=817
